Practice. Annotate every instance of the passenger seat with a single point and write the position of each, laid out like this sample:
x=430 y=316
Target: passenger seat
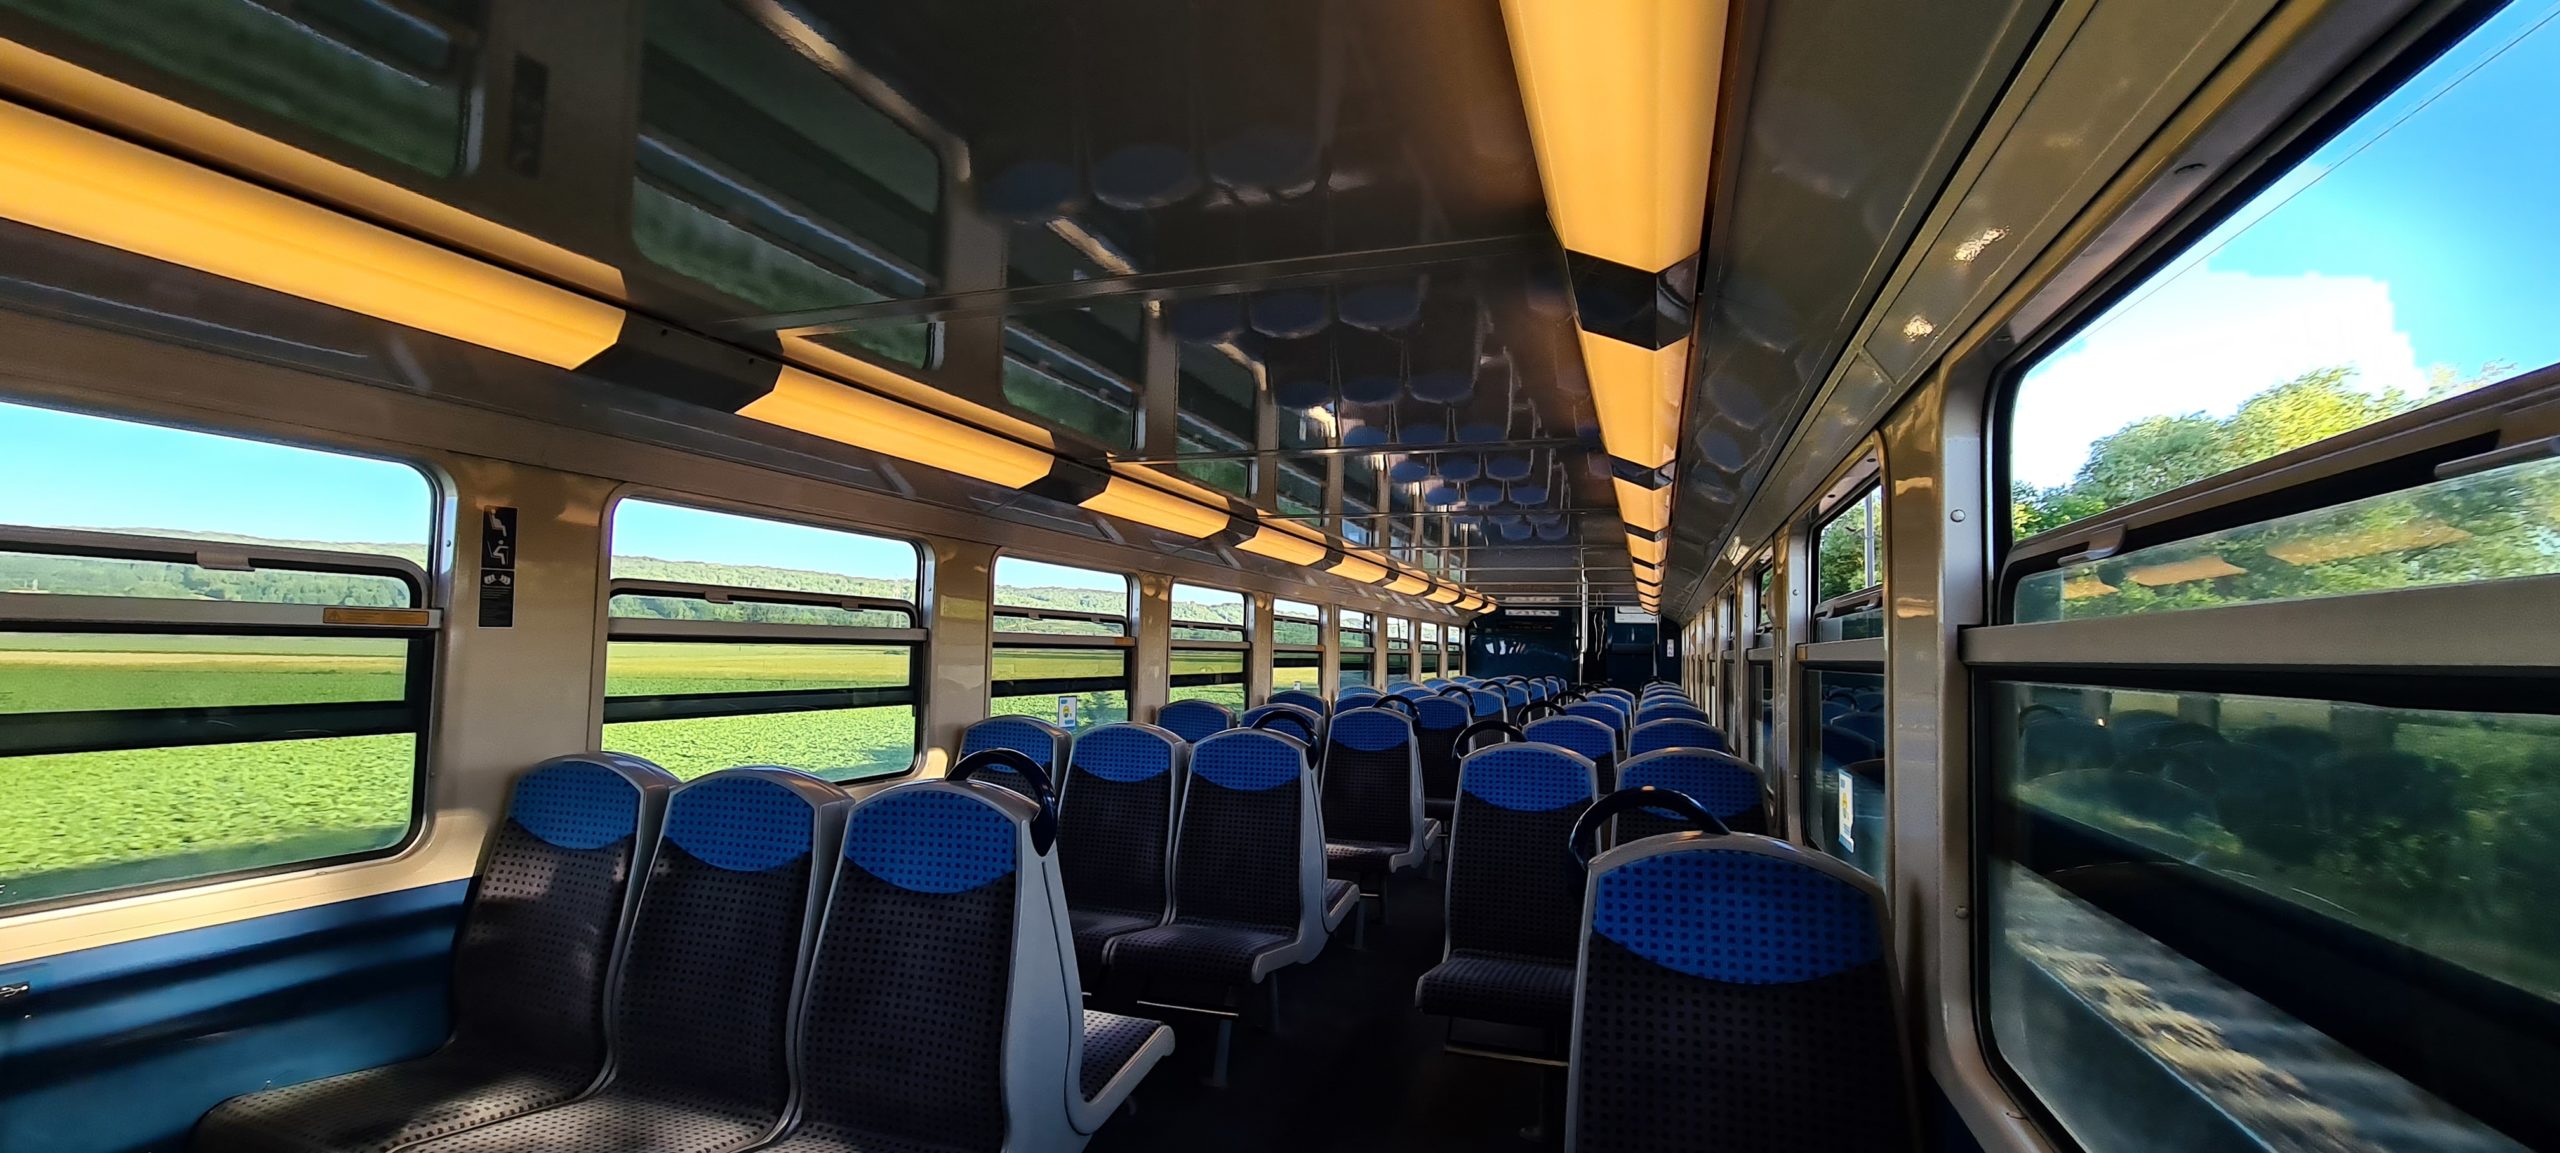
x=703 y=1006
x=1675 y=733
x=1593 y=739
x=1727 y=786
x=942 y=1011
x=1373 y=821
x=1515 y=890
x=1194 y=720
x=1115 y=834
x=545 y=917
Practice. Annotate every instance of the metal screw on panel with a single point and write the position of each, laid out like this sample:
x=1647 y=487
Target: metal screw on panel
x=1956 y=516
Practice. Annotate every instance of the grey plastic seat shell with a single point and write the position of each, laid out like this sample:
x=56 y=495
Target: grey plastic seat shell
x=1318 y=906
x=452 y=1089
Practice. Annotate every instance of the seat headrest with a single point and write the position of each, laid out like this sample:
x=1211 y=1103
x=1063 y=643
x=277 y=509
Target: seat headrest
x=1370 y=730
x=1581 y=734
x=1125 y=752
x=583 y=802
x=747 y=820
x=1248 y=760
x=932 y=839
x=1029 y=736
x=1724 y=783
x=1527 y=778
x=1759 y=915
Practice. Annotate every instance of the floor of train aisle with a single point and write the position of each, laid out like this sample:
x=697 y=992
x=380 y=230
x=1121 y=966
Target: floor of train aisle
x=1353 y=1066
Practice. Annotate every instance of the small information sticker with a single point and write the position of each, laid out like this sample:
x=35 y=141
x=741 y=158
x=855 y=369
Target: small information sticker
x=1848 y=813
x=1066 y=712
x=385 y=618
x=497 y=568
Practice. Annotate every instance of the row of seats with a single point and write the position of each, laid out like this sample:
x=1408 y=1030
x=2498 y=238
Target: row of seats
x=1711 y=987
x=1515 y=893
x=751 y=960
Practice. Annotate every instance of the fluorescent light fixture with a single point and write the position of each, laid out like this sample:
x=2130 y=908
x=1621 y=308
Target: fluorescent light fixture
x=1644 y=509
x=1648 y=551
x=1407 y=583
x=1621 y=97
x=1636 y=394
x=1151 y=506
x=1445 y=595
x=1275 y=539
x=60 y=177
x=820 y=407
x=1360 y=569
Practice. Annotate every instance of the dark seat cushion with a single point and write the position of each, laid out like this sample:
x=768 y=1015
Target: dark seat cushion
x=1110 y=1040
x=370 y=1110
x=1094 y=929
x=1197 y=951
x=1355 y=859
x=1507 y=990
x=617 y=1120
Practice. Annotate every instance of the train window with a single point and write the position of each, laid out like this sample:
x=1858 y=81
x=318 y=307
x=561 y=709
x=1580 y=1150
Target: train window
x=734 y=640
x=1208 y=646
x=384 y=76
x=2285 y=874
x=1849 y=571
x=2376 y=277
x=240 y=687
x=1844 y=794
x=1399 y=649
x=1763 y=608
x=1296 y=624
x=1427 y=654
x=1062 y=644
x=1359 y=649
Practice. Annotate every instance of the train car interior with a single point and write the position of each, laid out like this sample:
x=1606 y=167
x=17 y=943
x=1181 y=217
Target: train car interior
x=1488 y=576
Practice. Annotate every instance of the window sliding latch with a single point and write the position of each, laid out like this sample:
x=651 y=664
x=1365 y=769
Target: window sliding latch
x=2108 y=542
x=213 y=560
x=2539 y=448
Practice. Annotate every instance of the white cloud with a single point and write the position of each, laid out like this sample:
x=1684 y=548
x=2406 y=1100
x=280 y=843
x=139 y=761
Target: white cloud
x=2202 y=341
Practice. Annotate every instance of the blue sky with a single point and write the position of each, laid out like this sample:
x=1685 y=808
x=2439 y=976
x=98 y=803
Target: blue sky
x=66 y=470
x=2423 y=235
x=670 y=532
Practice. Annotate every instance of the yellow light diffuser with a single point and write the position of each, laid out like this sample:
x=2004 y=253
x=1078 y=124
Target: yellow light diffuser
x=1132 y=500
x=1277 y=540
x=822 y=407
x=64 y=178
x=1648 y=551
x=1407 y=583
x=1644 y=509
x=1621 y=97
x=1445 y=595
x=1636 y=394
x=1358 y=568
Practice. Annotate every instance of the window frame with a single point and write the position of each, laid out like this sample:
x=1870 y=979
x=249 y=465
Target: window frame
x=1125 y=642
x=1364 y=656
x=421 y=628
x=639 y=708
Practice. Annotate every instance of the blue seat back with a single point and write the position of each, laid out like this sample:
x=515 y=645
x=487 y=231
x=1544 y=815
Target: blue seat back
x=731 y=891
x=1357 y=696
x=1301 y=698
x=1437 y=722
x=1484 y=703
x=1240 y=848
x=1372 y=778
x=1675 y=733
x=1726 y=784
x=1046 y=744
x=1115 y=818
x=1193 y=720
x=1601 y=711
x=1515 y=695
x=1515 y=888
x=1413 y=692
x=1596 y=741
x=1784 y=951
x=549 y=906
x=1301 y=722
x=904 y=1034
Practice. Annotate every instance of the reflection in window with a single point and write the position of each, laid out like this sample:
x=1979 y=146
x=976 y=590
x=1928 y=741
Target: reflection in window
x=769 y=181
x=2239 y=863
x=2486 y=526
x=2382 y=274
x=386 y=77
x=1216 y=395
x=1844 y=796
x=1057 y=392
